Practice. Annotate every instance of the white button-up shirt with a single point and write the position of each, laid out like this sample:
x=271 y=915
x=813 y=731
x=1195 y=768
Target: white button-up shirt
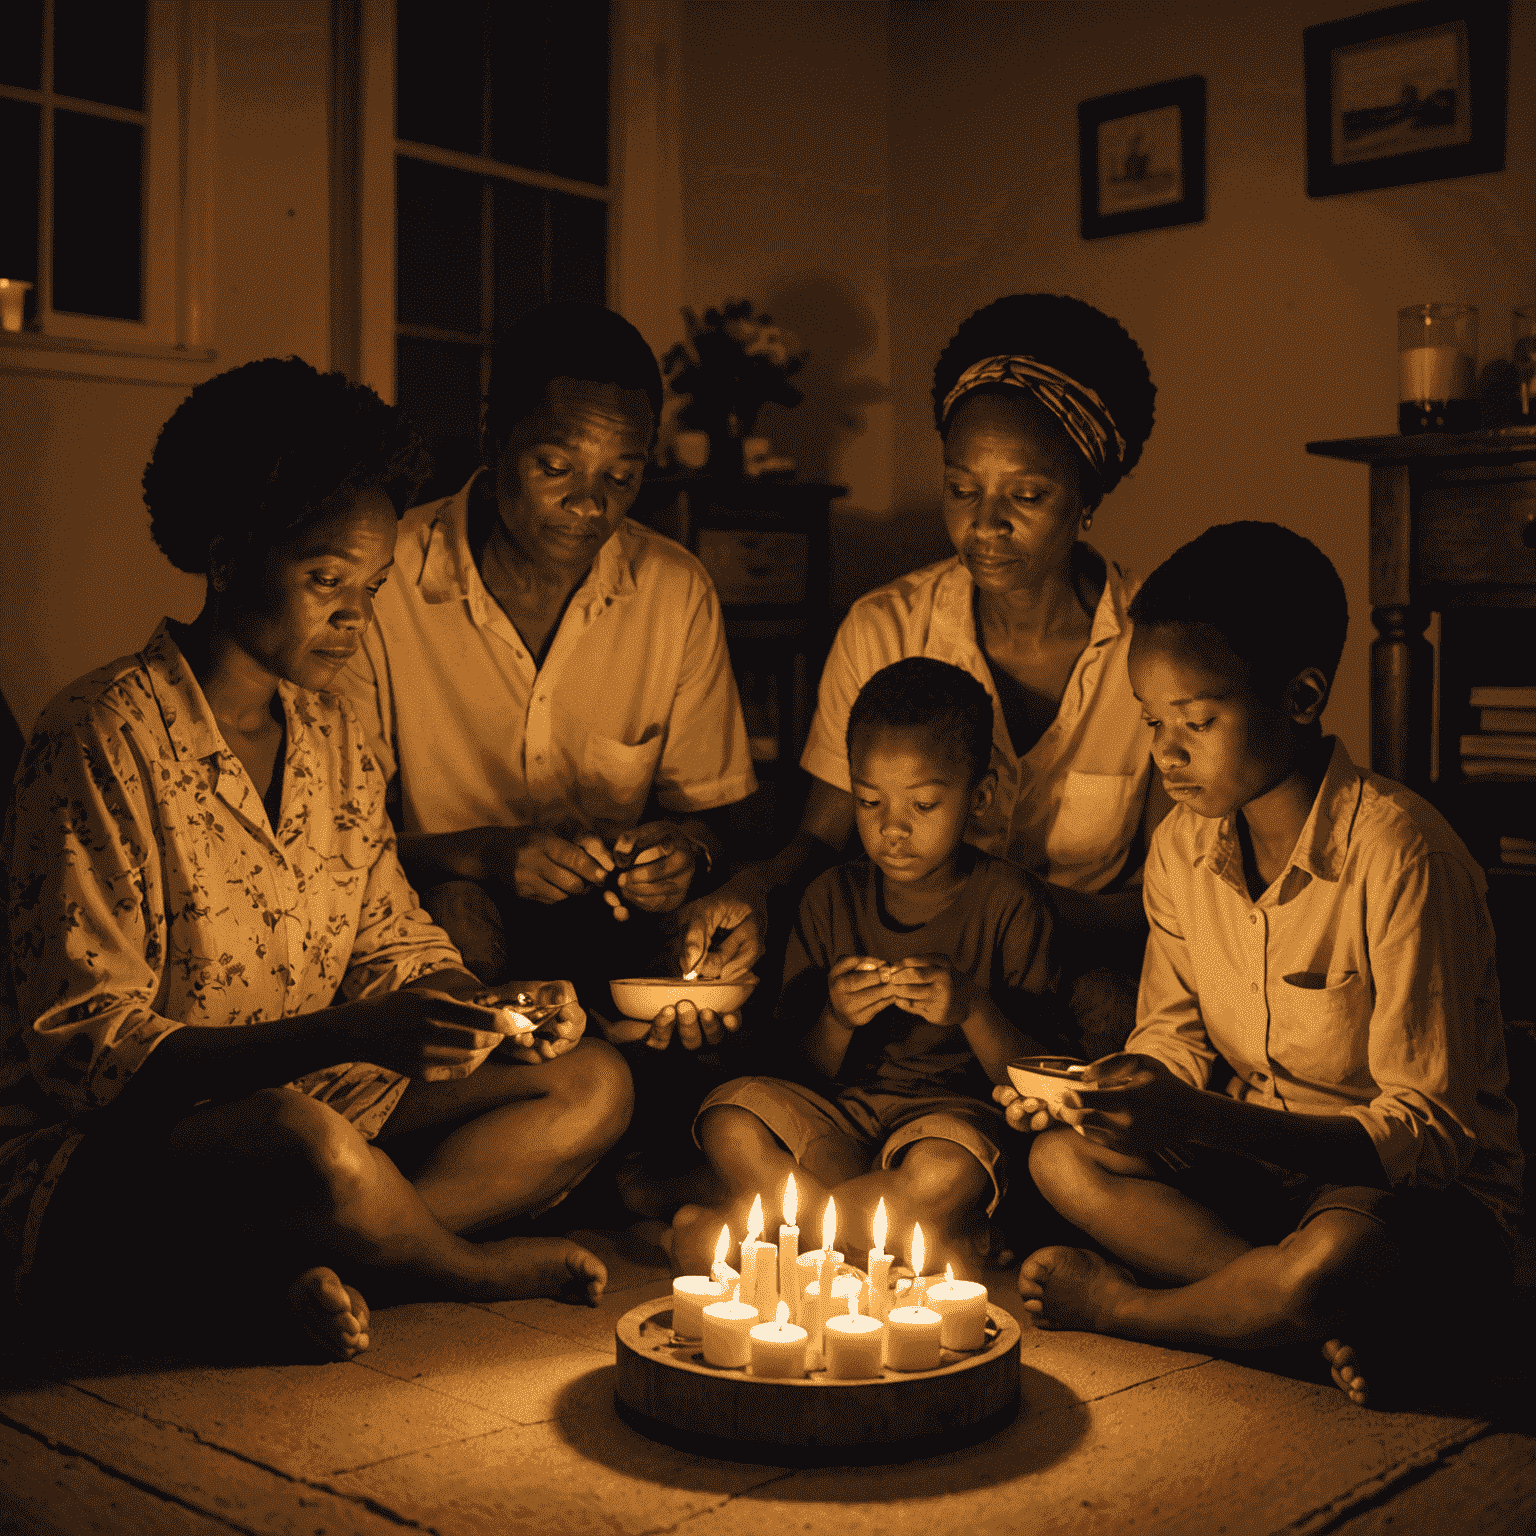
x=1362 y=982
x=635 y=696
x=1070 y=809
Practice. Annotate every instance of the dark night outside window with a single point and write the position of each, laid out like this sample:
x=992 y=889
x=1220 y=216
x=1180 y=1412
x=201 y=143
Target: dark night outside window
x=501 y=194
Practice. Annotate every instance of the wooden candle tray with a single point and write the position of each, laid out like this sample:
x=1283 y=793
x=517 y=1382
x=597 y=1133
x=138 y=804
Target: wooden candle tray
x=665 y=1389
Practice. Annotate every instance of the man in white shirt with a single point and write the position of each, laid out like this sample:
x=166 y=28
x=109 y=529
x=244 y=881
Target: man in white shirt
x=550 y=683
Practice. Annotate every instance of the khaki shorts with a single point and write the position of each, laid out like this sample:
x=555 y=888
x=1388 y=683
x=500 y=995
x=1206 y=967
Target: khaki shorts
x=886 y=1123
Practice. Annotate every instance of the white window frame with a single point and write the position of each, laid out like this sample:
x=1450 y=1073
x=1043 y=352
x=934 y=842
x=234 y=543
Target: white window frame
x=172 y=342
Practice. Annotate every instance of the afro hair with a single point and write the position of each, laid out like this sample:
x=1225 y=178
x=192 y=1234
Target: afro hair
x=1272 y=595
x=1068 y=335
x=565 y=341
x=936 y=696
x=253 y=454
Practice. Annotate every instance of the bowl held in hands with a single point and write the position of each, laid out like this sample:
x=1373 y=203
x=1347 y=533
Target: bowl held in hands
x=1046 y=1078
x=643 y=997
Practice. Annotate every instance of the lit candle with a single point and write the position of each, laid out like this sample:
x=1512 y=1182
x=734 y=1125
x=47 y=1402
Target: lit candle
x=879 y=1269
x=963 y=1306
x=919 y=1285
x=789 y=1252
x=913 y=1339
x=690 y=1295
x=854 y=1345
x=749 y=1250
x=778 y=1348
x=727 y=1337
x=827 y=1272
x=815 y=1315
x=720 y=1270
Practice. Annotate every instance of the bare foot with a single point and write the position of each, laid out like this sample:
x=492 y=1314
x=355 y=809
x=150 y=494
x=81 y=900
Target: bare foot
x=334 y=1315
x=520 y=1267
x=1347 y=1375
x=1071 y=1288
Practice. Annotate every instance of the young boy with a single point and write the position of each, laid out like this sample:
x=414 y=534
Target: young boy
x=1308 y=1131
x=903 y=977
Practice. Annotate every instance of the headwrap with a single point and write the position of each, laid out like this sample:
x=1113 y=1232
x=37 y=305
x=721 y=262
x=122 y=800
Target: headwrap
x=1078 y=409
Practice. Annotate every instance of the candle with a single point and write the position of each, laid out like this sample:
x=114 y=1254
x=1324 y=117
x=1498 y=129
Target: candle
x=919 y=1284
x=854 y=1345
x=814 y=1316
x=727 y=1340
x=827 y=1271
x=759 y=1273
x=778 y=1348
x=690 y=1295
x=720 y=1270
x=963 y=1306
x=879 y=1269
x=913 y=1338
x=789 y=1252
x=806 y=1267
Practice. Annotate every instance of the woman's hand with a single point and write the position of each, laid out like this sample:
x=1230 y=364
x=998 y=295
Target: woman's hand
x=1129 y=1103
x=557 y=1014
x=1022 y=1114
x=656 y=862
x=859 y=987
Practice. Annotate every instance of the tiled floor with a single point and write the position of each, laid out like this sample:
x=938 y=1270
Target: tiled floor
x=467 y=1420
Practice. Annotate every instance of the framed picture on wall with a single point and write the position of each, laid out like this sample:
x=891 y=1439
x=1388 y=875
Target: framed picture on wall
x=1141 y=158
x=1415 y=93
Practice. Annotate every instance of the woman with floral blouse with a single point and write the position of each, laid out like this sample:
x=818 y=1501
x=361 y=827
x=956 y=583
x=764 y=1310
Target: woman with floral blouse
x=237 y=1059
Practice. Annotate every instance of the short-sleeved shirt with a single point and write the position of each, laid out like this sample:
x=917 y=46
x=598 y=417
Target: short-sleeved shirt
x=149 y=891
x=1071 y=808
x=1361 y=983
x=635 y=697
x=997 y=931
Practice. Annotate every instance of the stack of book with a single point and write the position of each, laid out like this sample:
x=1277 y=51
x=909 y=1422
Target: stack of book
x=1504 y=746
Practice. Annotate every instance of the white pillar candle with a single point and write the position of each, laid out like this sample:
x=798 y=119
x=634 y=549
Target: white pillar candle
x=749 y=1246
x=879 y=1269
x=806 y=1264
x=690 y=1295
x=912 y=1339
x=789 y=1252
x=919 y=1255
x=720 y=1270
x=765 y=1278
x=854 y=1345
x=963 y=1306
x=727 y=1333
x=815 y=1315
x=778 y=1348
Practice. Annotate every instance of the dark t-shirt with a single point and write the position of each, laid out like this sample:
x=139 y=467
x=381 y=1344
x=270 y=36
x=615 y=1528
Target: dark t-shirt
x=997 y=931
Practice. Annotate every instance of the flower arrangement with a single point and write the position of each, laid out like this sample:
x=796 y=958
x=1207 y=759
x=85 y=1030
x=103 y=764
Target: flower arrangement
x=731 y=365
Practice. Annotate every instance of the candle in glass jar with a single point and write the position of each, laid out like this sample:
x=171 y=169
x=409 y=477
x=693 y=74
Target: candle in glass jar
x=778 y=1348
x=690 y=1295
x=727 y=1332
x=963 y=1306
x=789 y=1252
x=879 y=1270
x=913 y=1339
x=853 y=1345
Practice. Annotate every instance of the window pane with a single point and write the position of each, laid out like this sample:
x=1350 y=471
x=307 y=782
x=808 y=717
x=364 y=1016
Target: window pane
x=439 y=49
x=439 y=384
x=578 y=249
x=96 y=221
x=21 y=57
x=18 y=190
x=98 y=51
x=549 y=88
x=439 y=256
x=521 y=243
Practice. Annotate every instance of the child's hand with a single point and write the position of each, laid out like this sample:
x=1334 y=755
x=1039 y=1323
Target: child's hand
x=1022 y=1114
x=931 y=987
x=859 y=987
x=1129 y=1103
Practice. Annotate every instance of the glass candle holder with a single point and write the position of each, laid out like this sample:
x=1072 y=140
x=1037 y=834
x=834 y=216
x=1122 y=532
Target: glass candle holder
x=1522 y=353
x=1437 y=368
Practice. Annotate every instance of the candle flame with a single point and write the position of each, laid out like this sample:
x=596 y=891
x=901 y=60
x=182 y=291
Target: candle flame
x=880 y=1227
x=755 y=1220
x=736 y=1294
x=791 y=1202
x=918 y=1254
x=781 y=1313
x=949 y=1274
x=691 y=976
x=829 y=1226
x=723 y=1247
x=853 y=1304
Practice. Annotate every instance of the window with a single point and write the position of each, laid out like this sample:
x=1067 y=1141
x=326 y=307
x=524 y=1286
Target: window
x=501 y=193
x=91 y=102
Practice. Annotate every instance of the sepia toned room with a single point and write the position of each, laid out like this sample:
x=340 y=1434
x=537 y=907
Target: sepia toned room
x=769 y=765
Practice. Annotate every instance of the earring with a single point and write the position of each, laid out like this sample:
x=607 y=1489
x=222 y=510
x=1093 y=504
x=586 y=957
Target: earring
x=1087 y=521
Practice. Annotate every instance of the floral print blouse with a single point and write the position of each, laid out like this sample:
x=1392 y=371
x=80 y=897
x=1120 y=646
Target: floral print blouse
x=148 y=891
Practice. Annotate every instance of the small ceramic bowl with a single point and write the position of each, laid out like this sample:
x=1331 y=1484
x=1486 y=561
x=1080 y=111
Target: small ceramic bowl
x=643 y=997
x=1046 y=1078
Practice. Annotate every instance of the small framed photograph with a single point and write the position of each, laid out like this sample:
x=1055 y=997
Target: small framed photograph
x=1141 y=158
x=1415 y=93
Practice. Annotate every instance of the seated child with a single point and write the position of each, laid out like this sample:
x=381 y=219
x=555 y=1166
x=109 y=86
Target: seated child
x=902 y=979
x=1309 y=1124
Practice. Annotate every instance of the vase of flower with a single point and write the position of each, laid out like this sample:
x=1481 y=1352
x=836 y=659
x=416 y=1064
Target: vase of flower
x=731 y=365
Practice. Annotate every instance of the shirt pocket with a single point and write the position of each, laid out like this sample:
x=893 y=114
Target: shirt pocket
x=1320 y=1032
x=615 y=777
x=1088 y=821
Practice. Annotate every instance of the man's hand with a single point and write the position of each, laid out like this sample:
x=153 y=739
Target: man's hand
x=552 y=1007
x=695 y=1027
x=859 y=987
x=1129 y=1103
x=720 y=937
x=931 y=987
x=1022 y=1114
x=655 y=861
x=418 y=1032
x=541 y=864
